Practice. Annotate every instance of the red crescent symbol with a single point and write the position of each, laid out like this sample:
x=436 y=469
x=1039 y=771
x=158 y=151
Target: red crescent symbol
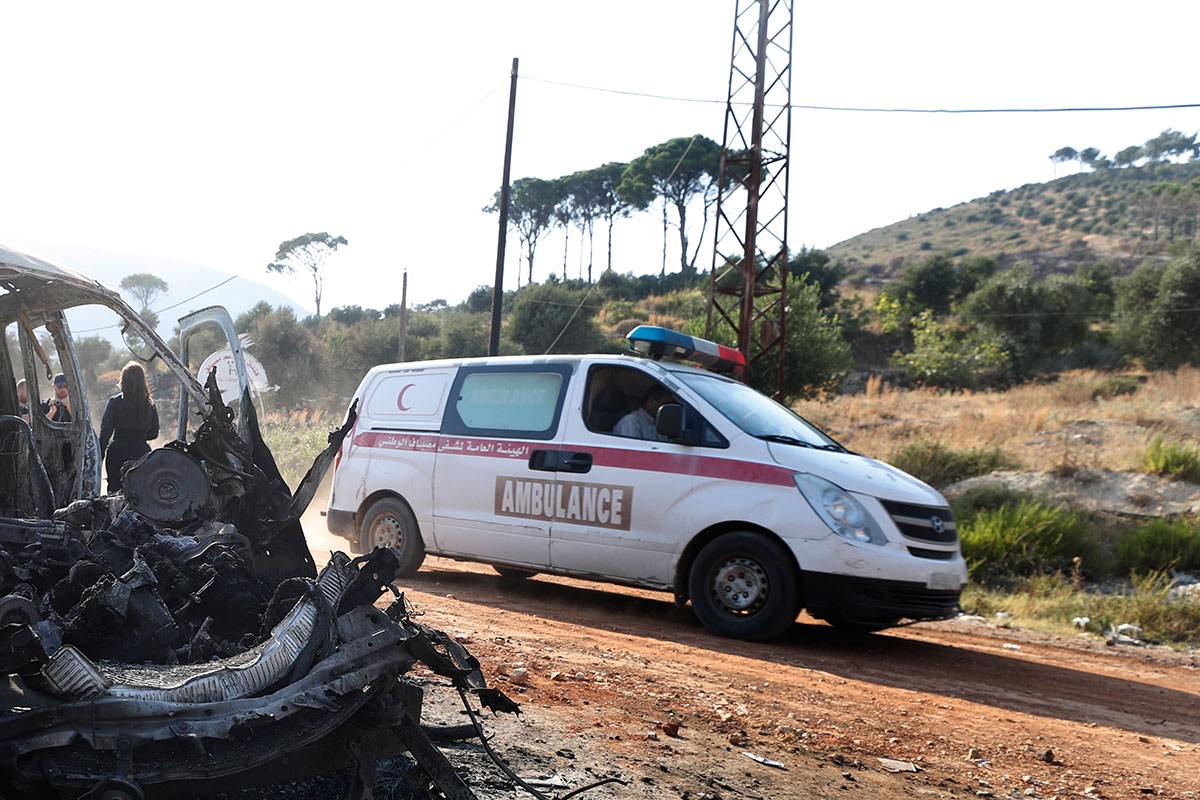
x=400 y=398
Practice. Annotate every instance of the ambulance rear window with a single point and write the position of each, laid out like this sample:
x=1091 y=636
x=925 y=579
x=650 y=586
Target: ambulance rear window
x=516 y=401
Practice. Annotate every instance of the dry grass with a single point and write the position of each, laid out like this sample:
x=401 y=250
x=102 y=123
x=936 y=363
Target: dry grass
x=1082 y=419
x=295 y=439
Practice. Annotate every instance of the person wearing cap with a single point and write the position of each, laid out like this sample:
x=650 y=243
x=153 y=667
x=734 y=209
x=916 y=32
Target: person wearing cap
x=58 y=408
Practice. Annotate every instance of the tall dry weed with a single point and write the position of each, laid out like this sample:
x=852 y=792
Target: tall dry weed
x=1084 y=419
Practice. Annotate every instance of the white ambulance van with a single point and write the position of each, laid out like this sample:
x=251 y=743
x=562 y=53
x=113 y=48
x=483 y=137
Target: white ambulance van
x=736 y=504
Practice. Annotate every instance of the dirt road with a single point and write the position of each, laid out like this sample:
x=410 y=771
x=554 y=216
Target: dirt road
x=604 y=674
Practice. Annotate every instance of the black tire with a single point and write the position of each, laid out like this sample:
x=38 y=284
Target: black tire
x=390 y=522
x=744 y=585
x=513 y=573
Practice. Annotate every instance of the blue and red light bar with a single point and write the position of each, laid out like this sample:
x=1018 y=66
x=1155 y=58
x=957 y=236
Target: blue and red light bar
x=652 y=341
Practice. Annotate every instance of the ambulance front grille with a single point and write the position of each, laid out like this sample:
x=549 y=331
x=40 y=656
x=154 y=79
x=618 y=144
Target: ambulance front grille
x=930 y=524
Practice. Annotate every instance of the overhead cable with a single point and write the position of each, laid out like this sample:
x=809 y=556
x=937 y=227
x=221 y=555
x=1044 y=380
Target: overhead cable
x=873 y=109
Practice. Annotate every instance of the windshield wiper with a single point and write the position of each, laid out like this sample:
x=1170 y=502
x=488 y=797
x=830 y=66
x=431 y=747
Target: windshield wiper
x=779 y=437
x=783 y=439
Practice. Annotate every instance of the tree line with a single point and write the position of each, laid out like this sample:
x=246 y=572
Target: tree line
x=1170 y=144
x=676 y=173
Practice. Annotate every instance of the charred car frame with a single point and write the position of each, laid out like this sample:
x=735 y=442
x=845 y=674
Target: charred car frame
x=176 y=639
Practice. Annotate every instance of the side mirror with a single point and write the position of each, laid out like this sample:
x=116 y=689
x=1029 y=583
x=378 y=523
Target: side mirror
x=671 y=422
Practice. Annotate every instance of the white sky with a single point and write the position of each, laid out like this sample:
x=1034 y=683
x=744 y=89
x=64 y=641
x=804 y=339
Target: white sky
x=212 y=132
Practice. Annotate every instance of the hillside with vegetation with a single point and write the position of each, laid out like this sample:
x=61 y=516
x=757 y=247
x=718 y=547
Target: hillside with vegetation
x=1124 y=215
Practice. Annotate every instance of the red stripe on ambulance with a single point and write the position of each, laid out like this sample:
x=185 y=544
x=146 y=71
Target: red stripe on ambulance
x=612 y=457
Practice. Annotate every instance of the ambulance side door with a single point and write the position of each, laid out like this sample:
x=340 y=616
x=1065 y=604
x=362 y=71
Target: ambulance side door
x=492 y=491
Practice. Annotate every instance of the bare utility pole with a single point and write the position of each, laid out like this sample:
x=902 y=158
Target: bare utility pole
x=748 y=283
x=498 y=287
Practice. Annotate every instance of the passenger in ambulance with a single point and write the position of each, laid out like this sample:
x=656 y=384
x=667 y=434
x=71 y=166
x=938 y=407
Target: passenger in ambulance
x=639 y=423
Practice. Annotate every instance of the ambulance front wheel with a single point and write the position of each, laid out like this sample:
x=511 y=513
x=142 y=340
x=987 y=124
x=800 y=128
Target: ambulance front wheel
x=390 y=523
x=743 y=585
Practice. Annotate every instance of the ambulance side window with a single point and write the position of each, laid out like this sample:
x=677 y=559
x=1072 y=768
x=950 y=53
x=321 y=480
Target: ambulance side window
x=523 y=401
x=615 y=391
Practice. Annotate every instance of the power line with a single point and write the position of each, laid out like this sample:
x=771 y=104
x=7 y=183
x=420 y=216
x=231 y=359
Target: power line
x=454 y=123
x=872 y=109
x=197 y=294
x=1060 y=110
x=574 y=313
x=603 y=90
x=167 y=308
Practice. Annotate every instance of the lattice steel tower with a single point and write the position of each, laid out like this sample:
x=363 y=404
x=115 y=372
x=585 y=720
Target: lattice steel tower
x=748 y=284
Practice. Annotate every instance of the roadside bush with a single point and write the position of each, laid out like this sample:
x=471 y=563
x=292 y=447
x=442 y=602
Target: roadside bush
x=1159 y=545
x=1053 y=603
x=940 y=466
x=988 y=497
x=1171 y=460
x=1154 y=312
x=1023 y=540
x=944 y=357
x=1163 y=614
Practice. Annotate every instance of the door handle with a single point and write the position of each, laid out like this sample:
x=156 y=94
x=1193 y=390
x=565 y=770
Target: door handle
x=576 y=462
x=560 y=461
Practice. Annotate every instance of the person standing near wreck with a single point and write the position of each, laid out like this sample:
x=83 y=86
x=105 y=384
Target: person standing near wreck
x=23 y=399
x=130 y=420
x=58 y=408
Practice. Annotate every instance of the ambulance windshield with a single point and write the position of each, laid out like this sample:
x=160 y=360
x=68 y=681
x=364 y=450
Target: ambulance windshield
x=756 y=414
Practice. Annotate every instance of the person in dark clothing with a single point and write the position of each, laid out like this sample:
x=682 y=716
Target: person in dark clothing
x=58 y=408
x=130 y=421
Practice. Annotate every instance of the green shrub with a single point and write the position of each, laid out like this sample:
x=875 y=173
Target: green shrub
x=1171 y=460
x=1159 y=545
x=1023 y=540
x=940 y=466
x=988 y=497
x=946 y=357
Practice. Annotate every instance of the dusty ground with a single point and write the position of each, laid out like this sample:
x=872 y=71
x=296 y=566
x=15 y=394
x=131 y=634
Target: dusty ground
x=601 y=672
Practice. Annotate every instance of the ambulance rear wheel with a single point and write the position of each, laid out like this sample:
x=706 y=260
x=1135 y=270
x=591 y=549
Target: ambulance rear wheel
x=743 y=585
x=390 y=523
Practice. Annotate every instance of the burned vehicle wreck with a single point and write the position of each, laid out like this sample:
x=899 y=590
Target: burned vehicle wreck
x=177 y=639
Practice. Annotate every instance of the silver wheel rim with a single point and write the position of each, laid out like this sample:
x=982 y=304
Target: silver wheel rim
x=386 y=531
x=740 y=586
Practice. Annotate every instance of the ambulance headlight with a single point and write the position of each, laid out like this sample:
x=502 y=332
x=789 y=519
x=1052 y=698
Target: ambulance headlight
x=839 y=509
